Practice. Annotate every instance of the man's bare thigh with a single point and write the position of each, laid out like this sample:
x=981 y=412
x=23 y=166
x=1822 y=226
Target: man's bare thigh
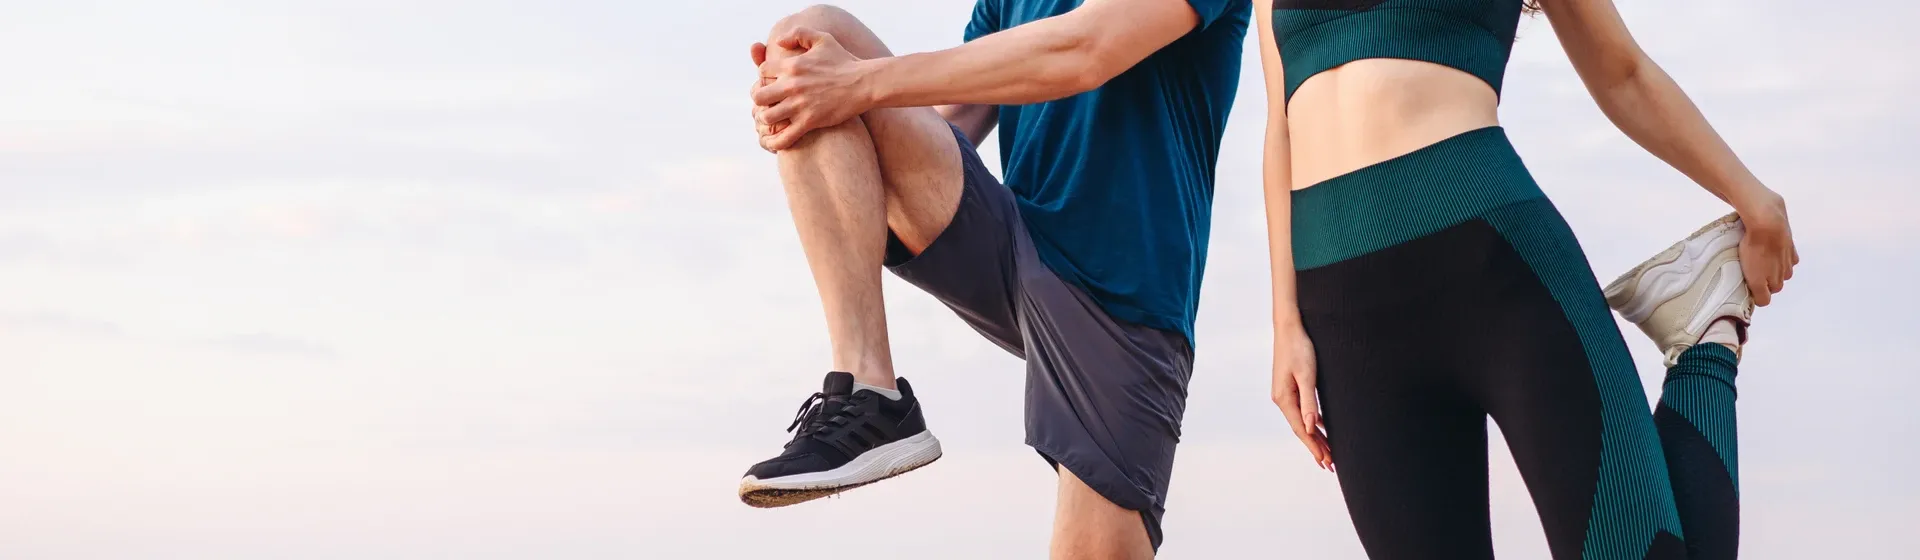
x=918 y=153
x=1086 y=526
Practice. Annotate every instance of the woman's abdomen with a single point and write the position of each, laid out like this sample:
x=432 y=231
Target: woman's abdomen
x=1373 y=110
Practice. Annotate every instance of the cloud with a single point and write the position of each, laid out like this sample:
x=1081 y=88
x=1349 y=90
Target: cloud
x=274 y=345
x=63 y=323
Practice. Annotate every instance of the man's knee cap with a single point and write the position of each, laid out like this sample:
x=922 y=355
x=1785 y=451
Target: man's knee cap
x=824 y=13
x=823 y=17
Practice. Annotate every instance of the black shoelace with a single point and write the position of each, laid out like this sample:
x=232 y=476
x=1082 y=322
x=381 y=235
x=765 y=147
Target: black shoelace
x=819 y=412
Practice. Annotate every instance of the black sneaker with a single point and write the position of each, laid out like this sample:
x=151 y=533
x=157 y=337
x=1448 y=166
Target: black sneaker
x=842 y=440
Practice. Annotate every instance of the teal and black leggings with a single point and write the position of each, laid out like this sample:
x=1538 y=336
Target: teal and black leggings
x=1441 y=288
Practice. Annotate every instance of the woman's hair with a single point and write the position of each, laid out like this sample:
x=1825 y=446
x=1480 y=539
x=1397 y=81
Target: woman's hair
x=1530 y=6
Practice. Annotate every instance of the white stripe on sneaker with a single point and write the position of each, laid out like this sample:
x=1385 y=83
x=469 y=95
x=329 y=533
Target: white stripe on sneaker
x=897 y=457
x=1669 y=280
x=1723 y=287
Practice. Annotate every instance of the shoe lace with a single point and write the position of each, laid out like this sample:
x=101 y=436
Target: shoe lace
x=821 y=411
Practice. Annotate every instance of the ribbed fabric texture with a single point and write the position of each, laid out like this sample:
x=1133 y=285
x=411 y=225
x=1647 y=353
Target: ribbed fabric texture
x=1474 y=36
x=1396 y=201
x=1477 y=176
x=1700 y=388
x=1697 y=431
x=1632 y=466
x=1417 y=345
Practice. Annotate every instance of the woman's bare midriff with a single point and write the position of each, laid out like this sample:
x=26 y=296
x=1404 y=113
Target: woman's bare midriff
x=1369 y=111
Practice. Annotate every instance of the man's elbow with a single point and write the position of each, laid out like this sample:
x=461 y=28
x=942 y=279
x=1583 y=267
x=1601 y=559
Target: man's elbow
x=1084 y=79
x=1088 y=63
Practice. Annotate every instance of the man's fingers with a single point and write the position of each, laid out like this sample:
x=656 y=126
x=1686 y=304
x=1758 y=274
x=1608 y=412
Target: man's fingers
x=751 y=90
x=773 y=139
x=758 y=52
x=778 y=113
x=772 y=94
x=802 y=38
x=786 y=138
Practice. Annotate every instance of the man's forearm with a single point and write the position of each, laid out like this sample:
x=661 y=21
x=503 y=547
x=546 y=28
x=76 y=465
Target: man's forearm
x=1041 y=61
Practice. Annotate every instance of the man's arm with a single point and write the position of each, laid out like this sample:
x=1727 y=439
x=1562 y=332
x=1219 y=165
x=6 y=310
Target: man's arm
x=1040 y=61
x=976 y=121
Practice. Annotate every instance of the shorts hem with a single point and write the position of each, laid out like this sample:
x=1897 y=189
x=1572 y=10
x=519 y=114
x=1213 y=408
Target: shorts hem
x=1124 y=495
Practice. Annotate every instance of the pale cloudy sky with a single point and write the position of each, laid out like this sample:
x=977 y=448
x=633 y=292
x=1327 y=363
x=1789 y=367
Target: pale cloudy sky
x=510 y=280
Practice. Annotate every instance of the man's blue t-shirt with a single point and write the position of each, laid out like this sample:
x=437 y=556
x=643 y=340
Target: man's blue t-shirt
x=1116 y=184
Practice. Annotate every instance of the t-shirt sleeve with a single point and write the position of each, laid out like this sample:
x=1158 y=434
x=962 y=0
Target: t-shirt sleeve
x=986 y=19
x=1212 y=10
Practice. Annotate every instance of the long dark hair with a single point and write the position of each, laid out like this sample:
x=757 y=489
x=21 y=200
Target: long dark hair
x=1530 y=6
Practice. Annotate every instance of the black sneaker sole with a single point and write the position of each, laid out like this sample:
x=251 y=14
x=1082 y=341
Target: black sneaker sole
x=767 y=498
x=903 y=457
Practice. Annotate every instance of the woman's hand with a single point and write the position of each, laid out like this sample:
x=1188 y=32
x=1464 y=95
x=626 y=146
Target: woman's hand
x=1767 y=254
x=1293 y=390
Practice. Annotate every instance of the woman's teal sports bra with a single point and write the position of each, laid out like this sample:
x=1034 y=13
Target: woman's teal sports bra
x=1473 y=36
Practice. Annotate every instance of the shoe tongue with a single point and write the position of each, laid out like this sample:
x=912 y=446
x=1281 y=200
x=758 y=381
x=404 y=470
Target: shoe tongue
x=838 y=383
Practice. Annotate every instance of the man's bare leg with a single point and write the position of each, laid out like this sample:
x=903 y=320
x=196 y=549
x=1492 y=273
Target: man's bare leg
x=846 y=185
x=840 y=209
x=1088 y=527
x=903 y=166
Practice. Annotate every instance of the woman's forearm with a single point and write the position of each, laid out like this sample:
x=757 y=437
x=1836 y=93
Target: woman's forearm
x=1279 y=202
x=1650 y=108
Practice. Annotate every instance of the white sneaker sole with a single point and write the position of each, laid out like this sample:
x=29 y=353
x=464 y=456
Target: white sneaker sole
x=1669 y=274
x=880 y=463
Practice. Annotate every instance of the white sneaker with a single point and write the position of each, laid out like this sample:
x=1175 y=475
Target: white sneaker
x=1680 y=292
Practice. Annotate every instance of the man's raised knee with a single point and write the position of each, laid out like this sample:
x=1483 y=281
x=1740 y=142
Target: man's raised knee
x=832 y=20
x=821 y=17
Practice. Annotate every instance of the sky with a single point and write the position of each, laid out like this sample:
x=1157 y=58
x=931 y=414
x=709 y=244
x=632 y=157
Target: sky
x=420 y=279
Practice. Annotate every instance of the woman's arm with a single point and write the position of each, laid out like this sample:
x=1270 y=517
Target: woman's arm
x=1277 y=173
x=1646 y=105
x=1293 y=363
